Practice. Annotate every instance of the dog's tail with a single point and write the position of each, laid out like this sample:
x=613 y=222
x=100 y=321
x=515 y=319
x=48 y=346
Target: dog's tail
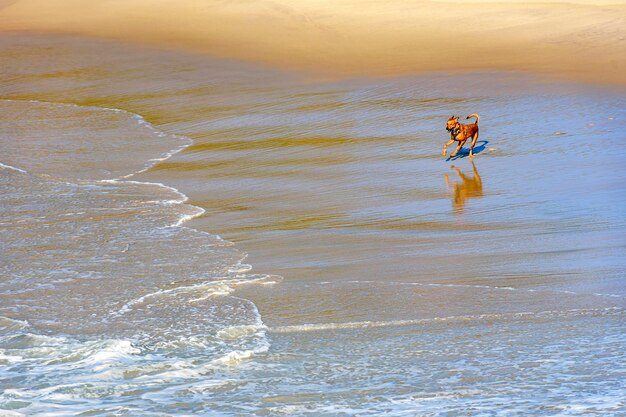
x=474 y=115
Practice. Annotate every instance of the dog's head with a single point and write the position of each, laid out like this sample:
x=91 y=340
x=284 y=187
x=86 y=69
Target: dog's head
x=452 y=124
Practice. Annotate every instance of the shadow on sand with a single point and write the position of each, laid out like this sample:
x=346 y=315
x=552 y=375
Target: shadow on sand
x=469 y=187
x=480 y=146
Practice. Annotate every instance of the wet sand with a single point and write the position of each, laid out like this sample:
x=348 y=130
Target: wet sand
x=410 y=283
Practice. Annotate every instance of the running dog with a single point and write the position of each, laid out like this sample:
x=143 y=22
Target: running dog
x=461 y=133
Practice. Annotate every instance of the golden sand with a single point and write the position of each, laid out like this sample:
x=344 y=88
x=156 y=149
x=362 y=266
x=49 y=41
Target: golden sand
x=585 y=40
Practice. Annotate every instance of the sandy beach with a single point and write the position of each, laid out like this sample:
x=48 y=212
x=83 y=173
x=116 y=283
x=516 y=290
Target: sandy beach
x=582 y=40
x=204 y=220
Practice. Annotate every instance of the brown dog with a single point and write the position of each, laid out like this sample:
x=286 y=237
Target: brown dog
x=461 y=133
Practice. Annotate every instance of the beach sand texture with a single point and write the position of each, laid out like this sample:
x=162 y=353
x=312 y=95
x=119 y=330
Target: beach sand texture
x=583 y=40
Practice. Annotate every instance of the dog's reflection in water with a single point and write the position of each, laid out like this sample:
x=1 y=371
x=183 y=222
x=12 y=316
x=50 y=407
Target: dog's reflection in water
x=469 y=187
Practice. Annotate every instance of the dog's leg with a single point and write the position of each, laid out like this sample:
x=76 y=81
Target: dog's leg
x=474 y=139
x=445 y=147
x=458 y=148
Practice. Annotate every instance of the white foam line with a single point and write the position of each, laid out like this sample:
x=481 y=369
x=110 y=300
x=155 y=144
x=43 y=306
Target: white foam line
x=183 y=197
x=608 y=295
x=154 y=161
x=13 y=168
x=487 y=287
x=223 y=287
x=188 y=217
x=310 y=327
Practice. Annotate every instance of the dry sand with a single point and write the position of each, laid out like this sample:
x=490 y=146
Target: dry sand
x=584 y=40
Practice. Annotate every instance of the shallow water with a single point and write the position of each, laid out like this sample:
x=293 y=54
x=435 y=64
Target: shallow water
x=386 y=279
